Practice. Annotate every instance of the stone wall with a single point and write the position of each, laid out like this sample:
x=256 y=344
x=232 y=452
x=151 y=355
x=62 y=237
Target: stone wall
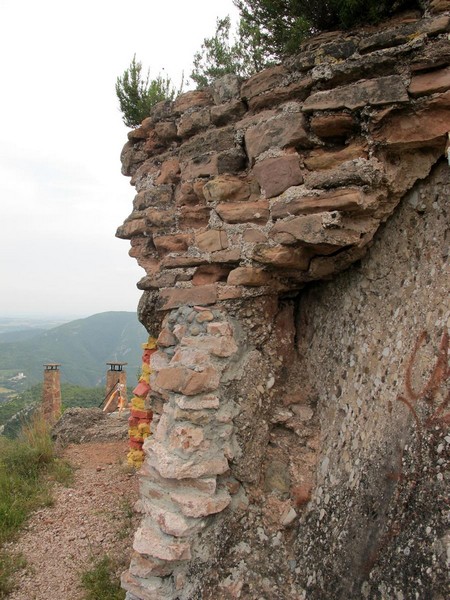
x=290 y=453
x=262 y=186
x=377 y=525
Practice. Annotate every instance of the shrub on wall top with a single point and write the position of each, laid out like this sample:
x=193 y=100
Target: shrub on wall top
x=285 y=23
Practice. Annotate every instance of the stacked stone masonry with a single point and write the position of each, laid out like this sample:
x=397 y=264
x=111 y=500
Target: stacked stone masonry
x=186 y=475
x=261 y=186
x=245 y=193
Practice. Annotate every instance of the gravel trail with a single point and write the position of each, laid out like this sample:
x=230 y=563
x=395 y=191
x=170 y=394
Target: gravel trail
x=91 y=518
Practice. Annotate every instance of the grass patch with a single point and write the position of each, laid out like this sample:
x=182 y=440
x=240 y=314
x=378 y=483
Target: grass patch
x=62 y=472
x=28 y=465
x=9 y=564
x=101 y=581
x=23 y=465
x=127 y=514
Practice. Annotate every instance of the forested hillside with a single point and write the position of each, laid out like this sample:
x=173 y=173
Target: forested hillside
x=82 y=347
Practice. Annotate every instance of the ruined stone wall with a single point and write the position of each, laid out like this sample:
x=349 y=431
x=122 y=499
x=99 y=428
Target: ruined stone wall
x=285 y=459
x=377 y=525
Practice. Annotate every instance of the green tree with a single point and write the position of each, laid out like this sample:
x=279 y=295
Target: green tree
x=241 y=54
x=284 y=24
x=138 y=94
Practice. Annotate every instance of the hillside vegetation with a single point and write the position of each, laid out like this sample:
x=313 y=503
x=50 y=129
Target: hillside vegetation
x=82 y=347
x=27 y=467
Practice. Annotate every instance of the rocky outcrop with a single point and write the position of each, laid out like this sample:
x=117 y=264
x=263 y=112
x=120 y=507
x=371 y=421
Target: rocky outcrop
x=82 y=425
x=246 y=192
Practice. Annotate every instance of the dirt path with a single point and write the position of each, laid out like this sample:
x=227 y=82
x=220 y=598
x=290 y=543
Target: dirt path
x=87 y=520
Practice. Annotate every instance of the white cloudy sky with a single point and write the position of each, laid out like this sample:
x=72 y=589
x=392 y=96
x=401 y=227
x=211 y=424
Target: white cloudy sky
x=61 y=192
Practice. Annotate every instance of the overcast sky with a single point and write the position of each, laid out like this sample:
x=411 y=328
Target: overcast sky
x=61 y=192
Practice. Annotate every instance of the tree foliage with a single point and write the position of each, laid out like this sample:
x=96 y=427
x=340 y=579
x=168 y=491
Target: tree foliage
x=241 y=54
x=138 y=94
x=284 y=24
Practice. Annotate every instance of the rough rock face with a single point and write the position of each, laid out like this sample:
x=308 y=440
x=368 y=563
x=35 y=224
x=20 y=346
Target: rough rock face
x=289 y=460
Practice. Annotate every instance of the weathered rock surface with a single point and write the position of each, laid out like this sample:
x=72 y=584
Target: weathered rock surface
x=82 y=425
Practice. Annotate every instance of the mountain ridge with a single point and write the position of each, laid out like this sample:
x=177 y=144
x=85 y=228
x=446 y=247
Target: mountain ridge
x=82 y=347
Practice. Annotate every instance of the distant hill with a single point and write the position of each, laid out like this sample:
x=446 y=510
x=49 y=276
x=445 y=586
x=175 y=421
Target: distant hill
x=82 y=347
x=17 y=336
x=28 y=324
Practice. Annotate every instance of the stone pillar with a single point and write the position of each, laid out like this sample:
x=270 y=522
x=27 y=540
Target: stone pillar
x=51 y=393
x=114 y=376
x=183 y=478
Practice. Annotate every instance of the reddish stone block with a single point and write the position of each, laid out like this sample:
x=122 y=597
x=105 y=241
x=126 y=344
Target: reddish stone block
x=232 y=255
x=227 y=112
x=384 y=90
x=185 y=194
x=194 y=217
x=193 y=99
x=297 y=90
x=186 y=381
x=320 y=231
x=333 y=126
x=177 y=242
x=251 y=276
x=430 y=83
x=254 y=236
x=222 y=346
x=166 y=338
x=155 y=196
x=226 y=187
x=280 y=256
x=340 y=199
x=175 y=297
x=202 y=166
x=208 y=274
x=159 y=218
x=220 y=328
x=198 y=190
x=166 y=131
x=281 y=131
x=275 y=175
x=244 y=212
x=263 y=81
x=229 y=292
x=211 y=240
x=437 y=6
x=184 y=261
x=326 y=159
x=131 y=228
x=170 y=172
x=428 y=125
x=193 y=122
